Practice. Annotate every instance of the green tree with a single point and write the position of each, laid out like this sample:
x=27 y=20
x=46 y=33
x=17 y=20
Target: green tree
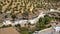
x=47 y=19
x=24 y=32
x=0 y=8
x=13 y=16
x=42 y=22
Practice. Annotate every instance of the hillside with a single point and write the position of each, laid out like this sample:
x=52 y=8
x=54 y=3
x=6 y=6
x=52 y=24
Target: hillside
x=27 y=8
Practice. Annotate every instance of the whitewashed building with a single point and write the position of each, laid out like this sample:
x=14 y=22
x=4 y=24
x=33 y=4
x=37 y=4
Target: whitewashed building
x=57 y=29
x=52 y=10
x=7 y=22
x=32 y=21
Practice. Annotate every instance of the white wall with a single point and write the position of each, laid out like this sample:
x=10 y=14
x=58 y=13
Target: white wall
x=7 y=22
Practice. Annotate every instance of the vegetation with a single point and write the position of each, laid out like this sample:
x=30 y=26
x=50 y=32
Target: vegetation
x=43 y=22
x=23 y=30
x=29 y=6
x=4 y=26
x=13 y=17
x=47 y=19
x=0 y=8
x=39 y=26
